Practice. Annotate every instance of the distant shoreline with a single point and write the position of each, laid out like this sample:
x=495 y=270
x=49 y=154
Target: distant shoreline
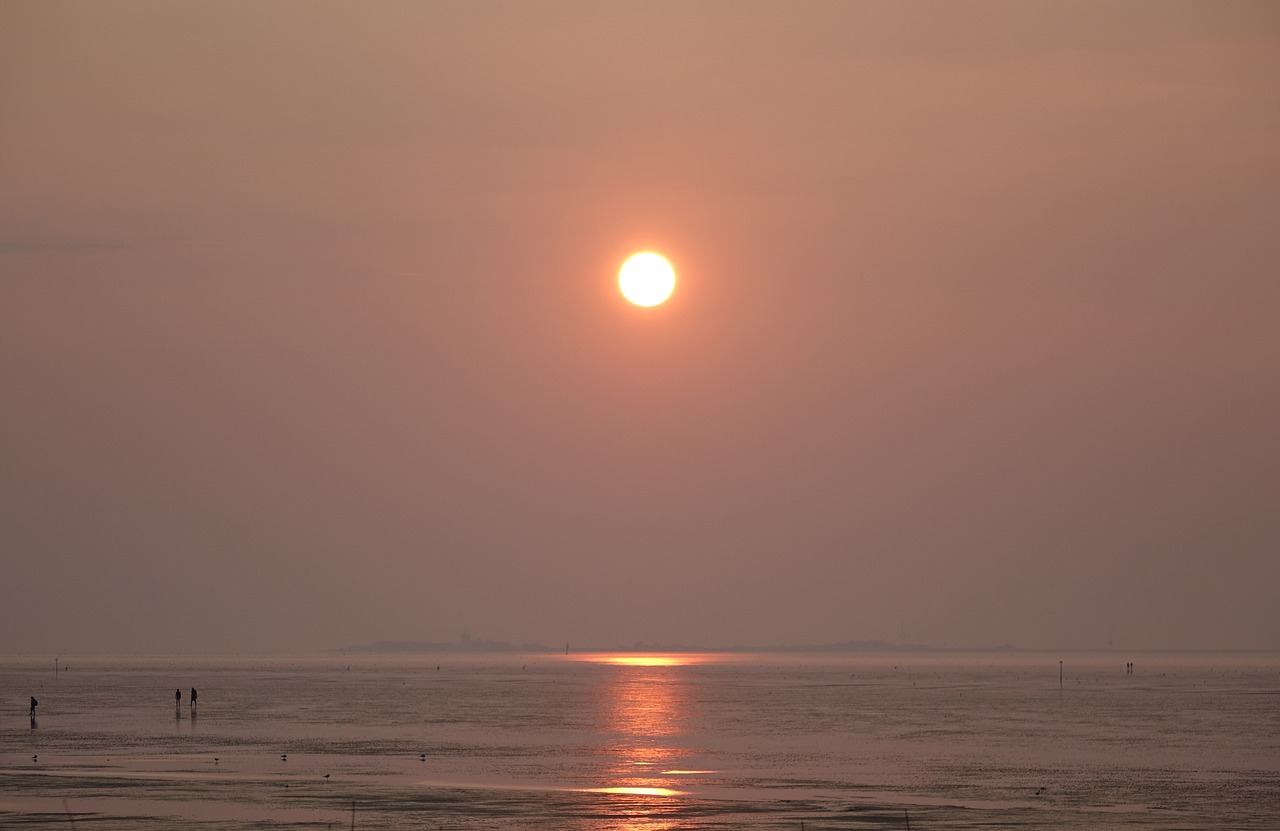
x=480 y=647
x=474 y=646
x=498 y=648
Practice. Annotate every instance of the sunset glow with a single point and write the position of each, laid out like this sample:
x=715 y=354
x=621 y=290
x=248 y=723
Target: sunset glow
x=635 y=416
x=644 y=660
x=647 y=279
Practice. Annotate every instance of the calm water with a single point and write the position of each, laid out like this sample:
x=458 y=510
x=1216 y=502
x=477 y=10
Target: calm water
x=944 y=741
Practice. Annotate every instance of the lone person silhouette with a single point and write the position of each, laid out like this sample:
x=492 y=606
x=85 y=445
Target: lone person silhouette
x=34 y=705
x=193 y=699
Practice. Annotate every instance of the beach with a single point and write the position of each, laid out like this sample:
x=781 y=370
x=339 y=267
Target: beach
x=645 y=742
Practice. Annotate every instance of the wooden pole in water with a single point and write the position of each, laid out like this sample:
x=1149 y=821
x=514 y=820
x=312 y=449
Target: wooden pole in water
x=1059 y=676
x=907 y=814
x=353 y=815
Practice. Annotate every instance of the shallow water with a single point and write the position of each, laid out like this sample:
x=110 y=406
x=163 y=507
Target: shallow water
x=588 y=743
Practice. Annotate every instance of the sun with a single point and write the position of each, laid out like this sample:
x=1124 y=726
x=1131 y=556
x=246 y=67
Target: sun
x=647 y=279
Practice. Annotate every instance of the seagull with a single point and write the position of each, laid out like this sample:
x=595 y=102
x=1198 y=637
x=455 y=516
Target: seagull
x=215 y=760
x=326 y=776
x=34 y=758
x=422 y=757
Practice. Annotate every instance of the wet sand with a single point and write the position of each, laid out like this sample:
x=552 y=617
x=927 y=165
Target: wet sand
x=534 y=744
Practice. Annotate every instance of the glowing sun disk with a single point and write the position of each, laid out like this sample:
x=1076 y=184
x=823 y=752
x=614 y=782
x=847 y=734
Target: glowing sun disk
x=647 y=279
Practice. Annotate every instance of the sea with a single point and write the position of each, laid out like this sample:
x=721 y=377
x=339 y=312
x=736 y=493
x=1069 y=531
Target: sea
x=631 y=741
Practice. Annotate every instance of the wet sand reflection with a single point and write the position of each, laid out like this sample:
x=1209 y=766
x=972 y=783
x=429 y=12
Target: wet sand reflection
x=646 y=710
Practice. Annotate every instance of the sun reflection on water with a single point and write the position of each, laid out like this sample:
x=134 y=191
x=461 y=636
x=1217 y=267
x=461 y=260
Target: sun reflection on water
x=627 y=660
x=638 y=791
x=645 y=713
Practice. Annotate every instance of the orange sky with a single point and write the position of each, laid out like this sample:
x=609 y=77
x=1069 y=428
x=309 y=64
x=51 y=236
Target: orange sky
x=309 y=334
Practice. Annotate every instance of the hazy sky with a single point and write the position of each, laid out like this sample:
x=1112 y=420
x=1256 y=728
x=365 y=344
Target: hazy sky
x=310 y=334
